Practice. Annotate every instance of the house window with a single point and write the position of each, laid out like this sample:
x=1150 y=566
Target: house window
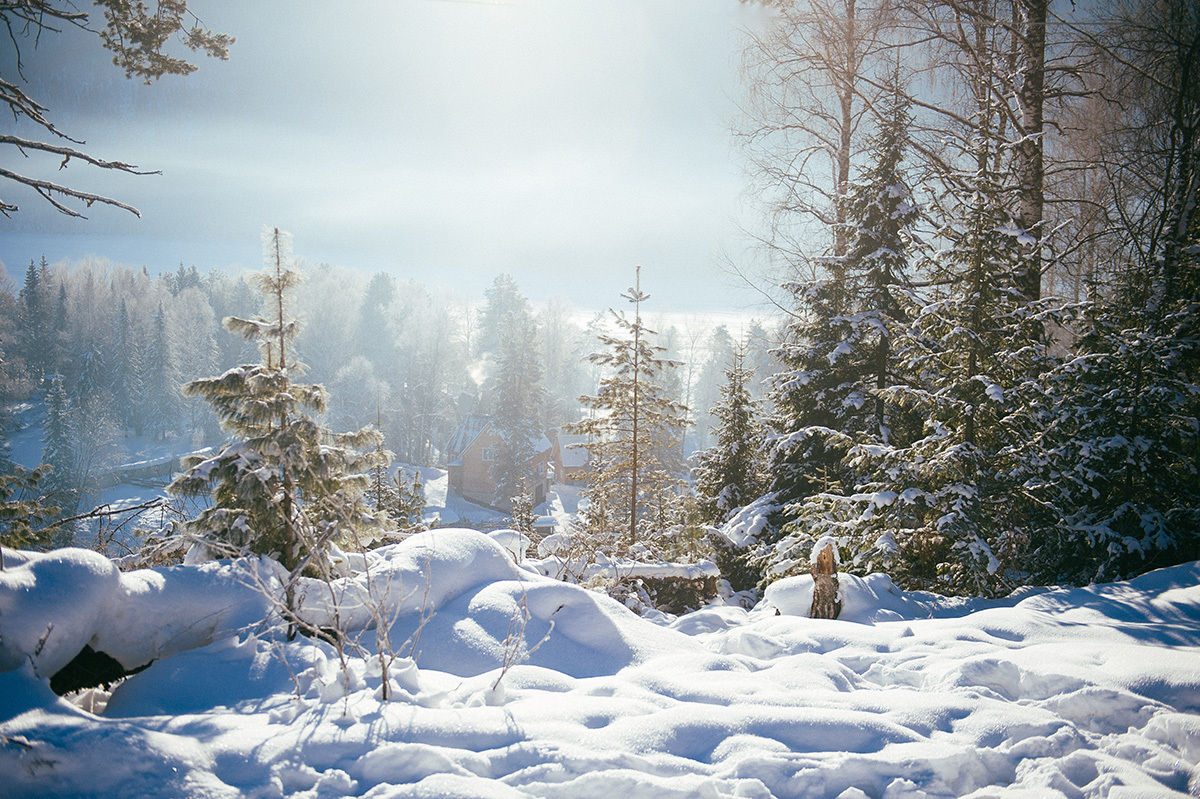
x=489 y=454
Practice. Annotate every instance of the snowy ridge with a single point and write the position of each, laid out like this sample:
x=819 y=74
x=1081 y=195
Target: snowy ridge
x=1085 y=692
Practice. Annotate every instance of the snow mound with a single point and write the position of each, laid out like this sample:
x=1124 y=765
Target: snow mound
x=51 y=606
x=505 y=683
x=865 y=600
x=54 y=604
x=514 y=541
x=462 y=590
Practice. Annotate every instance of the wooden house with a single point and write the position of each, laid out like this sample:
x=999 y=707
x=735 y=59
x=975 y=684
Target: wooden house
x=570 y=457
x=470 y=455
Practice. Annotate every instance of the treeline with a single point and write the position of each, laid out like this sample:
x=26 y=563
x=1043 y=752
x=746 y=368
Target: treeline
x=108 y=350
x=939 y=413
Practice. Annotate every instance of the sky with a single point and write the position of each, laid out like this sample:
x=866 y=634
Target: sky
x=562 y=141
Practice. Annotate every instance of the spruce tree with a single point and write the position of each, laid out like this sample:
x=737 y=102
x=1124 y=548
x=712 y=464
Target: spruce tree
x=842 y=362
x=375 y=339
x=159 y=381
x=519 y=401
x=501 y=299
x=944 y=511
x=127 y=372
x=33 y=332
x=1118 y=428
x=58 y=449
x=634 y=430
x=719 y=351
x=285 y=487
x=58 y=344
x=730 y=473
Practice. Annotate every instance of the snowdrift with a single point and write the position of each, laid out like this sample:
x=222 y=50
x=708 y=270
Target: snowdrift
x=506 y=683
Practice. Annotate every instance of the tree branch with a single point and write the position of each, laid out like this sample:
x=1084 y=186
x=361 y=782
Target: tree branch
x=48 y=190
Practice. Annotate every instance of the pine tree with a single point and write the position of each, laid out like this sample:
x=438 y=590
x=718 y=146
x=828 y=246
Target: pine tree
x=730 y=473
x=286 y=487
x=519 y=400
x=634 y=430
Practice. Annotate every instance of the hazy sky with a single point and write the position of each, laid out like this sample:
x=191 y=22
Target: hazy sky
x=563 y=141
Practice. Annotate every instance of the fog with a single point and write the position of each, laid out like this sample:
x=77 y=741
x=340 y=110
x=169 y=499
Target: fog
x=562 y=141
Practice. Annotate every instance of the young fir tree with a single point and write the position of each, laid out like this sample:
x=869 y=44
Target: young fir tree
x=25 y=513
x=523 y=517
x=159 y=382
x=519 y=400
x=730 y=473
x=1118 y=429
x=286 y=487
x=61 y=485
x=842 y=360
x=634 y=430
x=408 y=502
x=942 y=510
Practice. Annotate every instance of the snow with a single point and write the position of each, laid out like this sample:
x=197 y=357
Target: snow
x=747 y=523
x=573 y=450
x=1080 y=692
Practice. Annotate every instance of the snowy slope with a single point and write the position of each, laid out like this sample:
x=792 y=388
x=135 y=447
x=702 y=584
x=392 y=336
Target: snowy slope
x=1089 y=692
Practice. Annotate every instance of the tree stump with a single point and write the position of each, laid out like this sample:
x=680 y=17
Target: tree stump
x=825 y=604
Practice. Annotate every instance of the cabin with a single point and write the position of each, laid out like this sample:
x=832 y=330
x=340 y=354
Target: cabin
x=470 y=453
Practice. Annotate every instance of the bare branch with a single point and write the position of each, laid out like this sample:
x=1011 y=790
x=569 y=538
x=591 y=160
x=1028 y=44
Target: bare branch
x=68 y=153
x=48 y=190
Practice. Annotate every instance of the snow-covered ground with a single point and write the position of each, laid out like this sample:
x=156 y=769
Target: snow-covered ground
x=1088 y=692
x=444 y=510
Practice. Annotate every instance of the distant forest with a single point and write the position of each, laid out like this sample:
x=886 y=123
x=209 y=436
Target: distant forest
x=411 y=358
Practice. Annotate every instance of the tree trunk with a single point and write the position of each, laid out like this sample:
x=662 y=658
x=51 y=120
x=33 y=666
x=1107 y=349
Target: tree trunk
x=1030 y=150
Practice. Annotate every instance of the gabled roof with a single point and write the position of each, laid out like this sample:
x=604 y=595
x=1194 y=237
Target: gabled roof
x=465 y=435
x=572 y=450
x=471 y=428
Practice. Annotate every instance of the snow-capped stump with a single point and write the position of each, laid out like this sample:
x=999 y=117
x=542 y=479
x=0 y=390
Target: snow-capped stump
x=825 y=602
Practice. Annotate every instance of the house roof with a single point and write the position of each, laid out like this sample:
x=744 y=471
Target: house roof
x=470 y=429
x=572 y=450
x=465 y=434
